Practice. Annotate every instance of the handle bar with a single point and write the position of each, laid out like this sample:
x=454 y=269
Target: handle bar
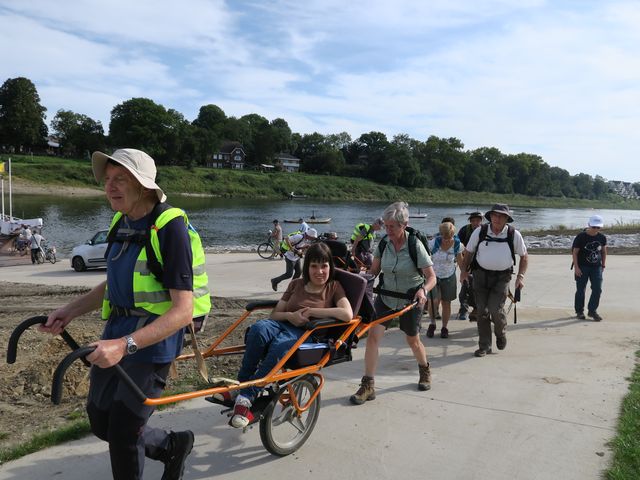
x=12 y=348
x=81 y=352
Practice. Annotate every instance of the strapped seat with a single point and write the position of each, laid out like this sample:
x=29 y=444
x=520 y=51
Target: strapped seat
x=310 y=353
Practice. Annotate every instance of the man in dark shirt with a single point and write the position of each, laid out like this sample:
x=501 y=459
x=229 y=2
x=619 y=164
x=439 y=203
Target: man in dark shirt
x=466 y=289
x=589 y=258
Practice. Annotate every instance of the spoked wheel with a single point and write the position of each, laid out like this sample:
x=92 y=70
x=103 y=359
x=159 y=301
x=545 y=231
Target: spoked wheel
x=39 y=257
x=265 y=250
x=52 y=257
x=282 y=430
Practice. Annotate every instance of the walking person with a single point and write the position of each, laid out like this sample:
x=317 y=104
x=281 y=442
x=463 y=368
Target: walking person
x=276 y=237
x=405 y=275
x=145 y=317
x=466 y=288
x=294 y=246
x=446 y=253
x=492 y=249
x=362 y=241
x=35 y=243
x=589 y=253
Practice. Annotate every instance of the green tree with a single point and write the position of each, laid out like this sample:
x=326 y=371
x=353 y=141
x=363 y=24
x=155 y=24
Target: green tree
x=79 y=135
x=21 y=115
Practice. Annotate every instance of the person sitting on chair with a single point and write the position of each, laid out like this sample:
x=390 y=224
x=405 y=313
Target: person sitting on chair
x=315 y=295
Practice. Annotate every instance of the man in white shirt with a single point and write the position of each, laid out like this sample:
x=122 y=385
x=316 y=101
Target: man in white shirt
x=491 y=256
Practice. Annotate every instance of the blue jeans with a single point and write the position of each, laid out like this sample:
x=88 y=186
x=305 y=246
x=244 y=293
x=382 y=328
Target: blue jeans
x=293 y=270
x=266 y=343
x=593 y=274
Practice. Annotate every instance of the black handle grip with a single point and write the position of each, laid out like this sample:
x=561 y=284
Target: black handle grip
x=12 y=348
x=517 y=294
x=58 y=375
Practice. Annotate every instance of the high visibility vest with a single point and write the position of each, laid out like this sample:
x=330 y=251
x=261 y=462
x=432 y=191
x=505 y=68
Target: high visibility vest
x=284 y=246
x=148 y=293
x=356 y=232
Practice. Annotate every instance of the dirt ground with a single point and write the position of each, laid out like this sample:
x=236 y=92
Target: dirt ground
x=25 y=386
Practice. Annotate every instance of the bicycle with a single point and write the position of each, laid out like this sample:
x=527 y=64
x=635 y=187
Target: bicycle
x=46 y=253
x=268 y=249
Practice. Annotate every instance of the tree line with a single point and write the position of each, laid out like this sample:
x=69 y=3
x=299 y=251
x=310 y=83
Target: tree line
x=171 y=139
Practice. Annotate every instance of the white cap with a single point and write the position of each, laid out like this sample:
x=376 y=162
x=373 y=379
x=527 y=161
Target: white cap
x=141 y=166
x=312 y=232
x=596 y=221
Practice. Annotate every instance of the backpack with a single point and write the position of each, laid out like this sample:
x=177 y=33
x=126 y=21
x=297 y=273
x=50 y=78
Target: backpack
x=483 y=237
x=283 y=244
x=414 y=236
x=456 y=244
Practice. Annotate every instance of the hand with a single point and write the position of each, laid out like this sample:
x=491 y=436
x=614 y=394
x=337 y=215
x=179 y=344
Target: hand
x=300 y=317
x=107 y=353
x=464 y=277
x=56 y=322
x=420 y=297
x=577 y=271
x=519 y=282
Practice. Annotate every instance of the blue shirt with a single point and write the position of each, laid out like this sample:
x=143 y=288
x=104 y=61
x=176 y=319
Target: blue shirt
x=175 y=248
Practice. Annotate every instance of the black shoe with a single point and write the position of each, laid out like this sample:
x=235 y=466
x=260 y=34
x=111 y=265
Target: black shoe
x=444 y=333
x=481 y=352
x=462 y=315
x=580 y=316
x=431 y=330
x=438 y=316
x=501 y=342
x=595 y=316
x=180 y=445
x=274 y=285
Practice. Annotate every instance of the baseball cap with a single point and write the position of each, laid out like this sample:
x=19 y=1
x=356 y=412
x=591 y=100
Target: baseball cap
x=141 y=166
x=312 y=232
x=596 y=221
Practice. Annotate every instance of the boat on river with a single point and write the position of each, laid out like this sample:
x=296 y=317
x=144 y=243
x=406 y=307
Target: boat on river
x=311 y=219
x=417 y=215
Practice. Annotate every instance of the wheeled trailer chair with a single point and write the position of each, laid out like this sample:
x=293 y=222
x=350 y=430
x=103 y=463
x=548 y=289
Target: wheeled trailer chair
x=288 y=407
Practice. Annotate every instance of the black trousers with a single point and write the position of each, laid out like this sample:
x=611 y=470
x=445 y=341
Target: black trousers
x=118 y=418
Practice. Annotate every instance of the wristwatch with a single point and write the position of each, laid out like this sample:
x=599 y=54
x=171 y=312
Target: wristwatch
x=132 y=346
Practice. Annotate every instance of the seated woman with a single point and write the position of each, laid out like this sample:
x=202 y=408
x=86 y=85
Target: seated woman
x=315 y=295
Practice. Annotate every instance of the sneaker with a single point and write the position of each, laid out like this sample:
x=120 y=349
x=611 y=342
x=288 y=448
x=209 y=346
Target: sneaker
x=462 y=315
x=424 y=382
x=227 y=399
x=242 y=415
x=444 y=333
x=501 y=342
x=481 y=352
x=431 y=330
x=274 y=285
x=595 y=316
x=365 y=392
x=580 y=316
x=180 y=445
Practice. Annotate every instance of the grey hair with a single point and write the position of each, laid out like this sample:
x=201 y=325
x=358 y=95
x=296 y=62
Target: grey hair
x=398 y=212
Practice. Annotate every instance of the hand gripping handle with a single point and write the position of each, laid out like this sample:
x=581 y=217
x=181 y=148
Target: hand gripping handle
x=58 y=375
x=12 y=348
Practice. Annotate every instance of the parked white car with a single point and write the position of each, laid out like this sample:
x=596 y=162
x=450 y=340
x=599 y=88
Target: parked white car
x=91 y=254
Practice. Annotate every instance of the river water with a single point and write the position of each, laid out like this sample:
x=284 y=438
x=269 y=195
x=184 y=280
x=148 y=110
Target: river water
x=240 y=224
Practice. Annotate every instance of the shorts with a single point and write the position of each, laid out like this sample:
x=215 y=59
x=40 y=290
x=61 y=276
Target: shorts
x=409 y=321
x=445 y=289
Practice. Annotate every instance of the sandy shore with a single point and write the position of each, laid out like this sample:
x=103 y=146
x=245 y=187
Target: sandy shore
x=23 y=187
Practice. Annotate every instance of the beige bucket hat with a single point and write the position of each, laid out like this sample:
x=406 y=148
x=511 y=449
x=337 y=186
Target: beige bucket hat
x=141 y=166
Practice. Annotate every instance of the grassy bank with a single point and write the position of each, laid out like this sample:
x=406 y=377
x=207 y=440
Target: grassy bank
x=250 y=184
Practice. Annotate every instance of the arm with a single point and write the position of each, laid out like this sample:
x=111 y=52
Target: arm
x=342 y=311
x=429 y=282
x=61 y=317
x=604 y=256
x=576 y=267
x=464 y=265
x=354 y=247
x=375 y=267
x=522 y=269
x=110 y=352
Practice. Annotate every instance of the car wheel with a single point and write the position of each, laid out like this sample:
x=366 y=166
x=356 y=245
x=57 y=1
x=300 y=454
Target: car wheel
x=78 y=264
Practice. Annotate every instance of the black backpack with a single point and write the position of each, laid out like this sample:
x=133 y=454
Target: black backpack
x=484 y=237
x=414 y=236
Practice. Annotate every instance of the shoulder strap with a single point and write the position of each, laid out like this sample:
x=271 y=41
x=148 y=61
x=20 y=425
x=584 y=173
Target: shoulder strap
x=154 y=265
x=382 y=245
x=510 y=235
x=436 y=244
x=456 y=245
x=113 y=230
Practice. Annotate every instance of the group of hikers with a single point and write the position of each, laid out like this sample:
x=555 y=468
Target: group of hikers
x=156 y=285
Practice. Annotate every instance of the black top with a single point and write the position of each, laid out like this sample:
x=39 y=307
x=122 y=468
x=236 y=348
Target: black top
x=590 y=253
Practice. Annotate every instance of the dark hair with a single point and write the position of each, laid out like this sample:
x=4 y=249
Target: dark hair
x=318 y=253
x=448 y=219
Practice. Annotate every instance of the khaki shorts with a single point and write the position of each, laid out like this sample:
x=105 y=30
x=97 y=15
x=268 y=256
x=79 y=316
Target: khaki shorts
x=445 y=289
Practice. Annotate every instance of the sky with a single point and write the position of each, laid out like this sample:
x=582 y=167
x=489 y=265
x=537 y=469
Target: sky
x=559 y=79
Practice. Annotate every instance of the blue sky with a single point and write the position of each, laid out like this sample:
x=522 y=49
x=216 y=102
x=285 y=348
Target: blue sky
x=560 y=79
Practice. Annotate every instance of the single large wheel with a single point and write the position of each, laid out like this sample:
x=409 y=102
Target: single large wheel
x=39 y=257
x=282 y=431
x=52 y=257
x=78 y=264
x=266 y=250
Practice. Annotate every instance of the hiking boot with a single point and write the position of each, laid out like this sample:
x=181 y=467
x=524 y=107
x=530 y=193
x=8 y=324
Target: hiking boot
x=365 y=392
x=580 y=316
x=424 y=383
x=481 y=352
x=501 y=342
x=431 y=330
x=444 y=333
x=595 y=316
x=180 y=445
x=462 y=315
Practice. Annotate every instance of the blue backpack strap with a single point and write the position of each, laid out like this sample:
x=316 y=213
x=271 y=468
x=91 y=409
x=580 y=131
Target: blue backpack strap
x=436 y=244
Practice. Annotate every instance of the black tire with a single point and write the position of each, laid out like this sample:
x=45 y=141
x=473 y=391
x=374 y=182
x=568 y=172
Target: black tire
x=78 y=264
x=52 y=257
x=265 y=250
x=24 y=251
x=281 y=431
x=39 y=257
